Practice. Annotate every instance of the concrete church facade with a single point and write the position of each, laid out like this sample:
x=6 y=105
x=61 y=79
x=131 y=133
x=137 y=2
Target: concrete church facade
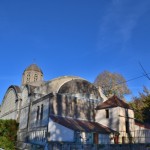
x=65 y=109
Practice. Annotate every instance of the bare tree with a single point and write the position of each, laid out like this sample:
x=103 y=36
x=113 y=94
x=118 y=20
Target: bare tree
x=112 y=83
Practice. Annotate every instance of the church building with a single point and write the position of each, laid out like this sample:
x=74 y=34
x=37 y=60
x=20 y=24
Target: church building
x=67 y=109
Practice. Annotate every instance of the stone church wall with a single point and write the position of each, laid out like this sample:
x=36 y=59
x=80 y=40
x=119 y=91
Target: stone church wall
x=70 y=106
x=9 y=115
x=61 y=105
x=24 y=117
x=35 y=116
x=9 y=105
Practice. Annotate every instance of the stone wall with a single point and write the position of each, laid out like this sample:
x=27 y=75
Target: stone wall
x=9 y=105
x=70 y=106
x=39 y=112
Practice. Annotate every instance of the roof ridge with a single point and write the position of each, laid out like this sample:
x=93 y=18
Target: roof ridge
x=113 y=101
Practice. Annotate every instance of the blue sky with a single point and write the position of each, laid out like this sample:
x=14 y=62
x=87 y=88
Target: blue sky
x=82 y=38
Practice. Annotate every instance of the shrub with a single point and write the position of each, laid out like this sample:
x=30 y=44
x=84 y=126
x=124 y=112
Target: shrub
x=8 y=134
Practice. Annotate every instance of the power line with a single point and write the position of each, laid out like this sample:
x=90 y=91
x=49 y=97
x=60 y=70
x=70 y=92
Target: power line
x=130 y=79
x=135 y=78
x=144 y=71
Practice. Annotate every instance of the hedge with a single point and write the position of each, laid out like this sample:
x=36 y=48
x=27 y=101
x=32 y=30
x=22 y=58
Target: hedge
x=8 y=134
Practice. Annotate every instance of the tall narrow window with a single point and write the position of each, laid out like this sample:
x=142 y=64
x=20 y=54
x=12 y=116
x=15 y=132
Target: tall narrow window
x=41 y=116
x=35 y=77
x=37 y=114
x=107 y=113
x=28 y=77
x=127 y=126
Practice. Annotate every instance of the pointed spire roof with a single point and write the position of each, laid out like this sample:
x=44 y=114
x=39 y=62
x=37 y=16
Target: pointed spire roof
x=113 y=101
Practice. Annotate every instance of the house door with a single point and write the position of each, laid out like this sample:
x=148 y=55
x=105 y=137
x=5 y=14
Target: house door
x=123 y=140
x=116 y=139
x=95 y=138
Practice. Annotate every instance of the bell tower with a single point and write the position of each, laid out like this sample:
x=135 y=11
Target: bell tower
x=32 y=75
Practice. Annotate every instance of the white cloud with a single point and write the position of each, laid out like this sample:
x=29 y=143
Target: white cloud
x=119 y=21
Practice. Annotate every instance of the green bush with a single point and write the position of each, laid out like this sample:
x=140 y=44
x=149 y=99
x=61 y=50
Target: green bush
x=6 y=144
x=8 y=134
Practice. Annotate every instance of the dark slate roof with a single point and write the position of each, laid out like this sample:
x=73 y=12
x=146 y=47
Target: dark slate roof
x=113 y=101
x=81 y=125
x=33 y=67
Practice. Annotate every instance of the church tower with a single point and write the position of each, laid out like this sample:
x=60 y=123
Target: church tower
x=32 y=75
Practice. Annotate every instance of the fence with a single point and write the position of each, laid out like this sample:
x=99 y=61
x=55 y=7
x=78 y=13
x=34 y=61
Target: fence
x=137 y=136
x=72 y=146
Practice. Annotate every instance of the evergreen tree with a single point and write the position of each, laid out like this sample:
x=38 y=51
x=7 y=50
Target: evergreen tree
x=141 y=106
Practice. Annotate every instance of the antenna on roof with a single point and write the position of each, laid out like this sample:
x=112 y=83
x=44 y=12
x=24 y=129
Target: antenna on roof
x=145 y=73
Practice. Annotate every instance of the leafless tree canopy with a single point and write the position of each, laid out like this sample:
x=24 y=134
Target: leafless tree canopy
x=112 y=83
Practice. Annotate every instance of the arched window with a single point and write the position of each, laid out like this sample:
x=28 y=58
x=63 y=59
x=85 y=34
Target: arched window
x=35 y=77
x=28 y=77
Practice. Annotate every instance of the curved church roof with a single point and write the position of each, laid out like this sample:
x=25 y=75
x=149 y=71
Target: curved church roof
x=33 y=67
x=69 y=85
x=79 y=86
x=58 y=82
x=54 y=84
x=16 y=89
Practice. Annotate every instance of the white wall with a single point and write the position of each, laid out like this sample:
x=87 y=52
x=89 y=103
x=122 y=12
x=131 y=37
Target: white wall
x=142 y=135
x=112 y=121
x=126 y=114
x=117 y=121
x=59 y=132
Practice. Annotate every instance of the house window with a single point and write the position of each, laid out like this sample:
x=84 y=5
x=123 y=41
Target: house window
x=127 y=126
x=41 y=115
x=107 y=113
x=37 y=114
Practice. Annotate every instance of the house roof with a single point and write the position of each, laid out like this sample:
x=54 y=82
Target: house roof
x=141 y=124
x=81 y=125
x=113 y=101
